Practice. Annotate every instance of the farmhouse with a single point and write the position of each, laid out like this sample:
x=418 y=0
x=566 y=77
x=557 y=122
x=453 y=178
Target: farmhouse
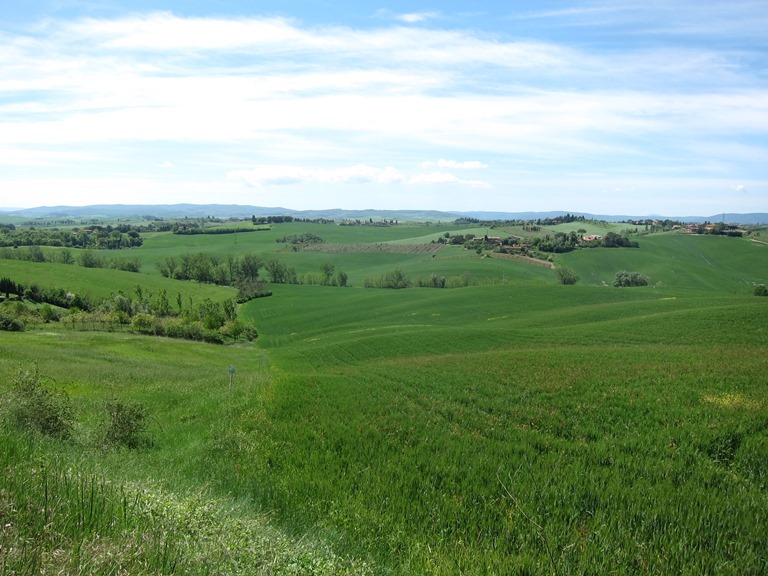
x=590 y=237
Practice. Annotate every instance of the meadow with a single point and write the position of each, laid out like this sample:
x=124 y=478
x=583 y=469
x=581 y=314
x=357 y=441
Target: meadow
x=510 y=426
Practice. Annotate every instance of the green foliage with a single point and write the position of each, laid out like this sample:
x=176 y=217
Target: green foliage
x=39 y=407
x=614 y=240
x=395 y=279
x=98 y=237
x=250 y=289
x=280 y=273
x=90 y=259
x=625 y=279
x=434 y=281
x=10 y=323
x=127 y=425
x=143 y=322
x=48 y=314
x=305 y=238
x=760 y=290
x=566 y=276
x=8 y=287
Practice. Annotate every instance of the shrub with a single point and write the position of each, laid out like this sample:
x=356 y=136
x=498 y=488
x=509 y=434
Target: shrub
x=47 y=313
x=566 y=276
x=624 y=279
x=143 y=322
x=395 y=279
x=127 y=424
x=37 y=407
x=760 y=290
x=250 y=333
x=250 y=289
x=11 y=324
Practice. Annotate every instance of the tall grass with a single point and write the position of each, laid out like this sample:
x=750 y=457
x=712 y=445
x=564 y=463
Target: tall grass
x=605 y=458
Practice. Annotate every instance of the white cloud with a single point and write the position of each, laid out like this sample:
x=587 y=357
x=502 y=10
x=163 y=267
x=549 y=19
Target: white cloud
x=416 y=17
x=283 y=175
x=117 y=95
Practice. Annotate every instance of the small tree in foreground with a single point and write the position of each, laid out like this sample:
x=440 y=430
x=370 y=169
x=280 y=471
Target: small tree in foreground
x=566 y=276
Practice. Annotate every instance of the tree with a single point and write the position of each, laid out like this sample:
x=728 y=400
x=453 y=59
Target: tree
x=168 y=266
x=89 y=259
x=760 y=290
x=280 y=273
x=566 y=276
x=35 y=254
x=143 y=322
x=162 y=306
x=327 y=269
x=47 y=313
x=625 y=279
x=249 y=267
x=8 y=286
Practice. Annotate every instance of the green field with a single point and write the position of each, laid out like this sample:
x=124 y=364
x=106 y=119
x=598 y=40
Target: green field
x=510 y=426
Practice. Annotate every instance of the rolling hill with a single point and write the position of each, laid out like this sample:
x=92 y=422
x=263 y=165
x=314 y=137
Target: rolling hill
x=168 y=211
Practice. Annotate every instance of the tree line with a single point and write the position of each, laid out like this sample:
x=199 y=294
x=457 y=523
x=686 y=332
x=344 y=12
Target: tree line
x=245 y=273
x=96 y=237
x=87 y=258
x=144 y=311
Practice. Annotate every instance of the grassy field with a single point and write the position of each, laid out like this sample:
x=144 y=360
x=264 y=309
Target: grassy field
x=513 y=426
x=713 y=263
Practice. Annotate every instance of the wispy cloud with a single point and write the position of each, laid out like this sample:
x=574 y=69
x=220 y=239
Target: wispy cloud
x=285 y=175
x=280 y=175
x=416 y=17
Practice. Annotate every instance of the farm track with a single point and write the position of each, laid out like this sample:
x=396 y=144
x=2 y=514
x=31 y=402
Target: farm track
x=525 y=260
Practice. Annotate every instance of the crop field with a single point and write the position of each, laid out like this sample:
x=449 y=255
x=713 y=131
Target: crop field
x=512 y=425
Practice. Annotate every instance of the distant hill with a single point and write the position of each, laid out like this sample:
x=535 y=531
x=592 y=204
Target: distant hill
x=731 y=218
x=219 y=211
x=168 y=211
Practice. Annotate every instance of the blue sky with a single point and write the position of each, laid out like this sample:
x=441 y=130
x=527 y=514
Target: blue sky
x=622 y=107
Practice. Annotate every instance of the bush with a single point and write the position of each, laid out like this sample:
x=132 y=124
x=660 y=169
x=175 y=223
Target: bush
x=566 y=276
x=48 y=314
x=395 y=279
x=37 y=407
x=760 y=290
x=249 y=290
x=127 y=424
x=143 y=322
x=11 y=324
x=624 y=279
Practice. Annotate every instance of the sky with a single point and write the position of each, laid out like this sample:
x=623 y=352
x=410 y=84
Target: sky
x=636 y=107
